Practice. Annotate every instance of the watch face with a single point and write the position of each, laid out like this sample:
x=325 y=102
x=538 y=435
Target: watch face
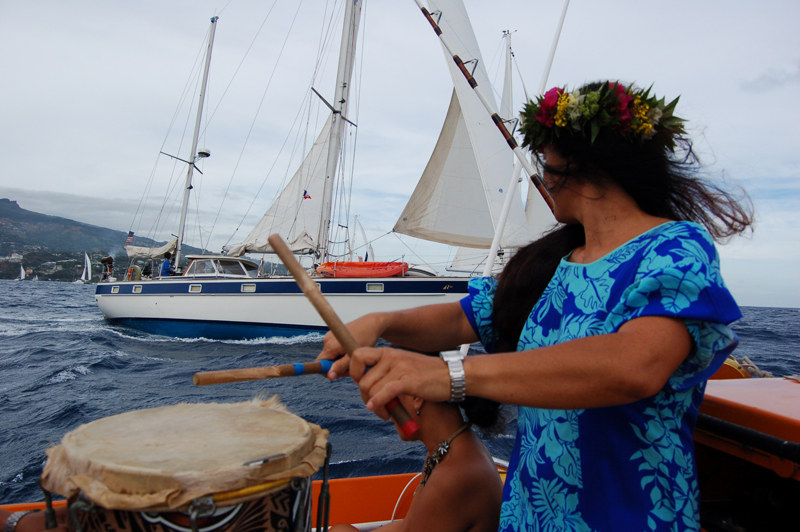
x=452 y=355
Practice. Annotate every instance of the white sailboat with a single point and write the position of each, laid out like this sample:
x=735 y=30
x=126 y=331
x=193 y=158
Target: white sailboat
x=21 y=276
x=86 y=274
x=227 y=296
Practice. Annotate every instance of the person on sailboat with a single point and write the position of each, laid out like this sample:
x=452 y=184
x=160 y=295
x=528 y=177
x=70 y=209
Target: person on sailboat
x=604 y=331
x=458 y=467
x=108 y=267
x=166 y=266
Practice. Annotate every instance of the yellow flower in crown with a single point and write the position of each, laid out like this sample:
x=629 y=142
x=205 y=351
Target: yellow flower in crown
x=564 y=99
x=627 y=111
x=640 y=123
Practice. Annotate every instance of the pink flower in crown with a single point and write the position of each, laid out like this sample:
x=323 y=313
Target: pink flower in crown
x=548 y=106
x=623 y=105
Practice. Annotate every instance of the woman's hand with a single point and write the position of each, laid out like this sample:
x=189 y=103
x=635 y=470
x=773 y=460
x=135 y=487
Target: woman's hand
x=428 y=328
x=383 y=373
x=365 y=330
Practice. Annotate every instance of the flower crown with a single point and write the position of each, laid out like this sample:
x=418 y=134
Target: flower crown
x=632 y=113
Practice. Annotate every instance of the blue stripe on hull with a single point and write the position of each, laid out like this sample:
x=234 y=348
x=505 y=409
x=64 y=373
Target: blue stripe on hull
x=284 y=286
x=214 y=330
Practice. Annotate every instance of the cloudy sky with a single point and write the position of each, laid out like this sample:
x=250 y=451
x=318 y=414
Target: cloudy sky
x=90 y=88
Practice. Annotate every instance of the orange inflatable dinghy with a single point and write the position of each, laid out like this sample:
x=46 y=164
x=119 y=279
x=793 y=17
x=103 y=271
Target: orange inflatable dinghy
x=362 y=269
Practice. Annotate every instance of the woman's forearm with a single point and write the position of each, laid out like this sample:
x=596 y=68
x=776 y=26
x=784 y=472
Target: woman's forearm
x=596 y=371
x=429 y=328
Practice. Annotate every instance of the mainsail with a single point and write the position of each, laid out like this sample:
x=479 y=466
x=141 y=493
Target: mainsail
x=460 y=195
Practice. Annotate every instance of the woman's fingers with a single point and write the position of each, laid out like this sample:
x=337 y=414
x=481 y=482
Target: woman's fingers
x=332 y=350
x=365 y=331
x=394 y=372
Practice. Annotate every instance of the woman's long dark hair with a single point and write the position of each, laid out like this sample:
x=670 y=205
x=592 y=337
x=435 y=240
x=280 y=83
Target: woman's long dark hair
x=664 y=182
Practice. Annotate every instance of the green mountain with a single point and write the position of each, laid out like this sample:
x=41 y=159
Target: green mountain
x=52 y=247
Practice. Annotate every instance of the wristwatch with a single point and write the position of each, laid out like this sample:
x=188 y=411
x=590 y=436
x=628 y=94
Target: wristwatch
x=458 y=380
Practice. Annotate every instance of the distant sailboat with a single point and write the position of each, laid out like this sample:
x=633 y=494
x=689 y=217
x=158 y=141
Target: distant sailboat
x=21 y=273
x=86 y=276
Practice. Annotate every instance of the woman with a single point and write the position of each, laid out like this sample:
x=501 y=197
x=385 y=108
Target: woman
x=460 y=489
x=603 y=332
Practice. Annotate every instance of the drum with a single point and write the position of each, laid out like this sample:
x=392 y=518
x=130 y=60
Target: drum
x=218 y=466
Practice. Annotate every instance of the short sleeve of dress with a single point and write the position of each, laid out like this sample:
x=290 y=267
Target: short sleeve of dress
x=679 y=277
x=478 y=306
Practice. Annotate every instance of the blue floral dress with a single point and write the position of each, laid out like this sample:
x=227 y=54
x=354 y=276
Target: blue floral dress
x=627 y=467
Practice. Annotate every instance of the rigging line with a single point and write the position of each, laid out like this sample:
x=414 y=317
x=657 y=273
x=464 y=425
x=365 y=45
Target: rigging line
x=414 y=253
x=287 y=172
x=497 y=64
x=197 y=227
x=239 y=66
x=174 y=174
x=175 y=178
x=323 y=45
x=255 y=116
x=324 y=42
x=269 y=172
x=519 y=73
x=224 y=7
x=184 y=95
x=325 y=37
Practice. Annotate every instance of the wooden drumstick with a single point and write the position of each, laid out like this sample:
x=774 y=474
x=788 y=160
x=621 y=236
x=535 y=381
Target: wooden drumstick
x=266 y=372
x=337 y=327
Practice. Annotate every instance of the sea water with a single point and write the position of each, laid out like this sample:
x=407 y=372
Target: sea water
x=62 y=365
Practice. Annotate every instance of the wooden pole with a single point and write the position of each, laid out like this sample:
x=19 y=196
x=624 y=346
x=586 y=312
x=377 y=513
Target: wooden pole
x=266 y=372
x=331 y=319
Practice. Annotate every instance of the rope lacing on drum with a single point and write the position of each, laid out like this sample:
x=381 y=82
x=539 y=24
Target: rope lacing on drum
x=81 y=504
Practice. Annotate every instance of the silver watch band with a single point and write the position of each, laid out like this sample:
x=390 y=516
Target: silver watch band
x=458 y=379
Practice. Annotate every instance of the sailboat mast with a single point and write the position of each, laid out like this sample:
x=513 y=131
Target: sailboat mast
x=507 y=100
x=193 y=154
x=352 y=15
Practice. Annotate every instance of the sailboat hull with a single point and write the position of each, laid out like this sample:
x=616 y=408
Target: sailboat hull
x=255 y=308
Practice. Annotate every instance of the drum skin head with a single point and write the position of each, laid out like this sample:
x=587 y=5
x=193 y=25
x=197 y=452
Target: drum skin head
x=167 y=456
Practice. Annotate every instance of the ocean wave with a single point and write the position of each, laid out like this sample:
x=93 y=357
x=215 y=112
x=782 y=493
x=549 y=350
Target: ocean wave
x=69 y=374
x=308 y=338
x=132 y=334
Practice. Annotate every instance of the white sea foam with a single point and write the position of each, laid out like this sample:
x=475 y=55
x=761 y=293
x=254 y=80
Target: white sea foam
x=69 y=374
